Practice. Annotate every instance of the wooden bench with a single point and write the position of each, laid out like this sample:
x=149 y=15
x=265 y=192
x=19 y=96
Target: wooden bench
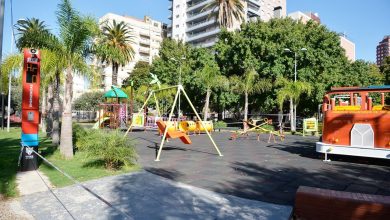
x=316 y=203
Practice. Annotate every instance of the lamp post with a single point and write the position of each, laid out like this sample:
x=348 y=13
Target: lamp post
x=180 y=62
x=295 y=60
x=293 y=109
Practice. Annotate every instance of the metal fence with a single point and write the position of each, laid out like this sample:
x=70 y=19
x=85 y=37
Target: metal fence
x=84 y=116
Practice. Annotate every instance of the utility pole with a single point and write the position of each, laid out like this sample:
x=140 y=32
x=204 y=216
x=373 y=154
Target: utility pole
x=9 y=85
x=1 y=58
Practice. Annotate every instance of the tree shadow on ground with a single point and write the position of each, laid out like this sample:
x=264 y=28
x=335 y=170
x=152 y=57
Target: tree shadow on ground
x=279 y=185
x=306 y=149
x=146 y=196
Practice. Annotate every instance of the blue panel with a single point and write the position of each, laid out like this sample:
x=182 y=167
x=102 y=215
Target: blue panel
x=30 y=139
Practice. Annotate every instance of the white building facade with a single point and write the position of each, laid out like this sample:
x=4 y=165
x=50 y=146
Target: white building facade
x=345 y=43
x=194 y=24
x=147 y=37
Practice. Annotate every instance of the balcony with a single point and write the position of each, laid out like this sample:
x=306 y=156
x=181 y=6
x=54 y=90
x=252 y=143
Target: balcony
x=144 y=50
x=144 y=41
x=255 y=2
x=253 y=13
x=203 y=35
x=144 y=59
x=199 y=5
x=194 y=16
x=144 y=34
x=205 y=44
x=201 y=24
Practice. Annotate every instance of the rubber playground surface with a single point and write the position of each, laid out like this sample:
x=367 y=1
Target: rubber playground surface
x=253 y=180
x=257 y=170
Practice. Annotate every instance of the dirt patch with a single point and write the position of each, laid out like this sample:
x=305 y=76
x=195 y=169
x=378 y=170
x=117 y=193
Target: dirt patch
x=11 y=209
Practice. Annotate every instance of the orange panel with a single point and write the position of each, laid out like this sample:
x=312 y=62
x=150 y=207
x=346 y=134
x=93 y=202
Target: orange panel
x=338 y=125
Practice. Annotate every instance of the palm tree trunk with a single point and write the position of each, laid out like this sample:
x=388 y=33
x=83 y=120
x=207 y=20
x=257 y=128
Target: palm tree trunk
x=66 y=145
x=206 y=105
x=292 y=121
x=246 y=110
x=295 y=115
x=43 y=109
x=49 y=116
x=280 y=117
x=56 y=112
x=114 y=74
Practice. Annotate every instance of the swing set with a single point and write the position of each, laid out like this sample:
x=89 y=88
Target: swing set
x=166 y=126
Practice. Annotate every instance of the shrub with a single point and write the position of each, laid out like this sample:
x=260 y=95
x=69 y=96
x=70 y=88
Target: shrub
x=220 y=124
x=77 y=132
x=110 y=146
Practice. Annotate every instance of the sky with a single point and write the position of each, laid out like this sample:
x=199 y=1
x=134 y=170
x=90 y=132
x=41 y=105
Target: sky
x=365 y=22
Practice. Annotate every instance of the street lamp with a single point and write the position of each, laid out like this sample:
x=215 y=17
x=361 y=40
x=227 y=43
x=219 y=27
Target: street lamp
x=180 y=62
x=295 y=60
x=293 y=110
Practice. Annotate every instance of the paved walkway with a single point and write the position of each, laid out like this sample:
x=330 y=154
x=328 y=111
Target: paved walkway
x=259 y=170
x=143 y=195
x=31 y=182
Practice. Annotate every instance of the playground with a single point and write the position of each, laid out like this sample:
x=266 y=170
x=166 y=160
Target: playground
x=253 y=180
x=258 y=170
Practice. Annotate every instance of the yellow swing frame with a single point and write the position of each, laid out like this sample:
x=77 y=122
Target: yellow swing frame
x=180 y=90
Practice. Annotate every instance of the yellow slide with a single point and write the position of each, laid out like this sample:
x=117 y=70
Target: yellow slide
x=101 y=120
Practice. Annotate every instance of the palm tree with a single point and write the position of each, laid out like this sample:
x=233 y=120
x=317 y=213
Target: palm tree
x=229 y=11
x=210 y=77
x=76 y=34
x=249 y=83
x=292 y=91
x=31 y=33
x=113 y=46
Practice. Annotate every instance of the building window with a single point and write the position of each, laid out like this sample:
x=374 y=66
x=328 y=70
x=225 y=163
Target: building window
x=177 y=16
x=177 y=26
x=177 y=6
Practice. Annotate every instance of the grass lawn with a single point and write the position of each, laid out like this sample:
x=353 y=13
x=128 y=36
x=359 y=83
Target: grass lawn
x=80 y=167
x=9 y=155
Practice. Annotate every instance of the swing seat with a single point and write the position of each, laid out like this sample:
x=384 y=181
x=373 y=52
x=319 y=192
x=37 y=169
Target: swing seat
x=174 y=134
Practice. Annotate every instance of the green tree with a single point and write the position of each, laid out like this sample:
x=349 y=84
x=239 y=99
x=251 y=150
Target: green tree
x=291 y=91
x=229 y=12
x=114 y=46
x=167 y=66
x=385 y=69
x=323 y=64
x=75 y=35
x=89 y=101
x=247 y=84
x=207 y=75
x=31 y=33
x=362 y=73
x=139 y=76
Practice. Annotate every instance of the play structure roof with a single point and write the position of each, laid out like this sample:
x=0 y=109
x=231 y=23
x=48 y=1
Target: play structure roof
x=115 y=93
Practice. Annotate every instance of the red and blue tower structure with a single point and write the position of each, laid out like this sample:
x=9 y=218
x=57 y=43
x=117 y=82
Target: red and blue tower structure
x=30 y=108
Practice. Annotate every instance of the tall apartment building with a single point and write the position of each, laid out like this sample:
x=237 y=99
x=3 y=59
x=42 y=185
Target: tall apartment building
x=194 y=25
x=304 y=16
x=147 y=37
x=383 y=50
x=345 y=43
x=348 y=46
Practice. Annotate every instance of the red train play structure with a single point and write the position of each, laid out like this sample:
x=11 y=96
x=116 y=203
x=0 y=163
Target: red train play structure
x=30 y=107
x=356 y=122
